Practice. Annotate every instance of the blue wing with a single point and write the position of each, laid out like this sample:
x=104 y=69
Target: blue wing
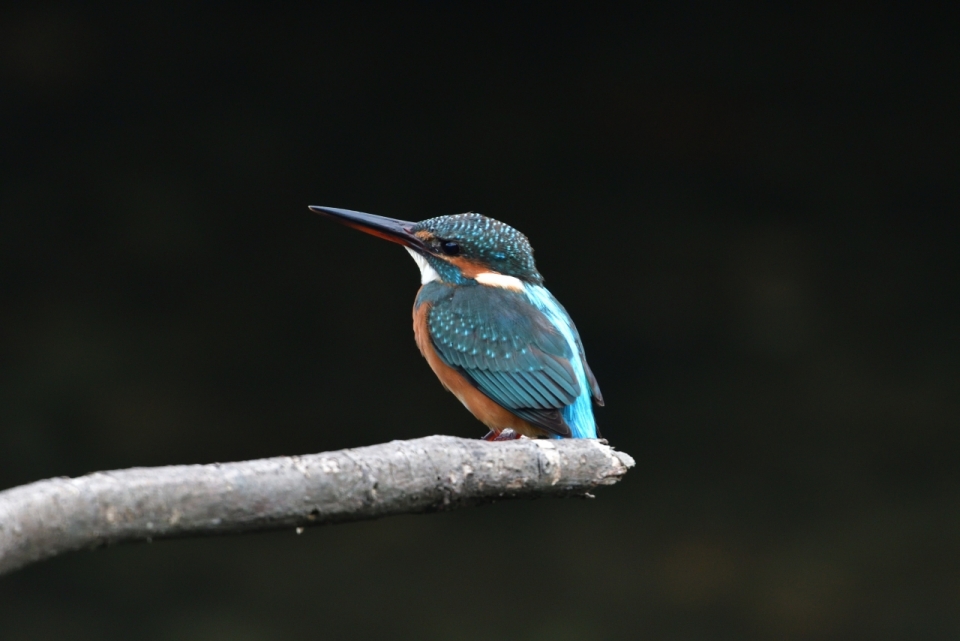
x=508 y=348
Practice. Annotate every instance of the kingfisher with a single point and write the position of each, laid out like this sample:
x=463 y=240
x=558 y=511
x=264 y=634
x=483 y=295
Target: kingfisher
x=488 y=328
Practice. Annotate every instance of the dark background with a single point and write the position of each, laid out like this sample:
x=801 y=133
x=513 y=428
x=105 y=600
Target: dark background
x=751 y=214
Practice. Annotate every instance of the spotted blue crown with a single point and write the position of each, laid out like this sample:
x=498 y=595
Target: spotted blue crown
x=484 y=240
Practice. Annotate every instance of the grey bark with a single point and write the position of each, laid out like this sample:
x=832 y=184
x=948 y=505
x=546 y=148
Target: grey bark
x=436 y=473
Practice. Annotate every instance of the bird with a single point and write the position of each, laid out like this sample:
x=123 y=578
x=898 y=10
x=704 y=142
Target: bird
x=491 y=332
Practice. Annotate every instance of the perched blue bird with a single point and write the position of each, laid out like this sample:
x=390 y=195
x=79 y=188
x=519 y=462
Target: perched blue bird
x=489 y=329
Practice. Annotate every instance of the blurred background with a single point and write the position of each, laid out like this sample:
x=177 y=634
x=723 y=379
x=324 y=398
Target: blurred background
x=751 y=214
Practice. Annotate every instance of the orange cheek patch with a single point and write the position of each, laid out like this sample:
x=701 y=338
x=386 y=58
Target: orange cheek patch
x=469 y=268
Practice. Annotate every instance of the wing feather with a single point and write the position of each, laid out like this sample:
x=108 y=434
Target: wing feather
x=509 y=349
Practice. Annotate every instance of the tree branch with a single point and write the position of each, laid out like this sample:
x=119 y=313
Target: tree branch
x=430 y=474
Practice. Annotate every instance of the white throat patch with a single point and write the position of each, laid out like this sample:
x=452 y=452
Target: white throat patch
x=427 y=273
x=493 y=279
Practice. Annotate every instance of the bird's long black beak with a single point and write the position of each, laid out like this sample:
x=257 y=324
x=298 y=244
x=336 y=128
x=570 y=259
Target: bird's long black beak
x=396 y=231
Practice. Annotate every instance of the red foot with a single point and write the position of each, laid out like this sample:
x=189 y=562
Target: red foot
x=505 y=435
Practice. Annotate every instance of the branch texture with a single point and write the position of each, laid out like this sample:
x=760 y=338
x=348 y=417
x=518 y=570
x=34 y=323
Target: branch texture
x=47 y=518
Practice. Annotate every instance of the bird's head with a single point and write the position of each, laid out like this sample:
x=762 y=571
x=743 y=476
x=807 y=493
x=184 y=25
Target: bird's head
x=457 y=249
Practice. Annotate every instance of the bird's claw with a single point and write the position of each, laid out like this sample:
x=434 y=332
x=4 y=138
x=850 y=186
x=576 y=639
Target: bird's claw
x=505 y=435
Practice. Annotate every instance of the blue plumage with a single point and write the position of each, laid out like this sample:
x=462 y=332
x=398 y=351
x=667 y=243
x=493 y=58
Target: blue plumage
x=516 y=349
x=489 y=321
x=486 y=241
x=578 y=414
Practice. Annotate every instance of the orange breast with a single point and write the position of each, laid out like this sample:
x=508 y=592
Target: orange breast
x=486 y=410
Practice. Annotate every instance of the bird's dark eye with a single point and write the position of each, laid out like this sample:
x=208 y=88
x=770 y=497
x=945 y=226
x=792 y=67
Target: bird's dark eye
x=450 y=248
